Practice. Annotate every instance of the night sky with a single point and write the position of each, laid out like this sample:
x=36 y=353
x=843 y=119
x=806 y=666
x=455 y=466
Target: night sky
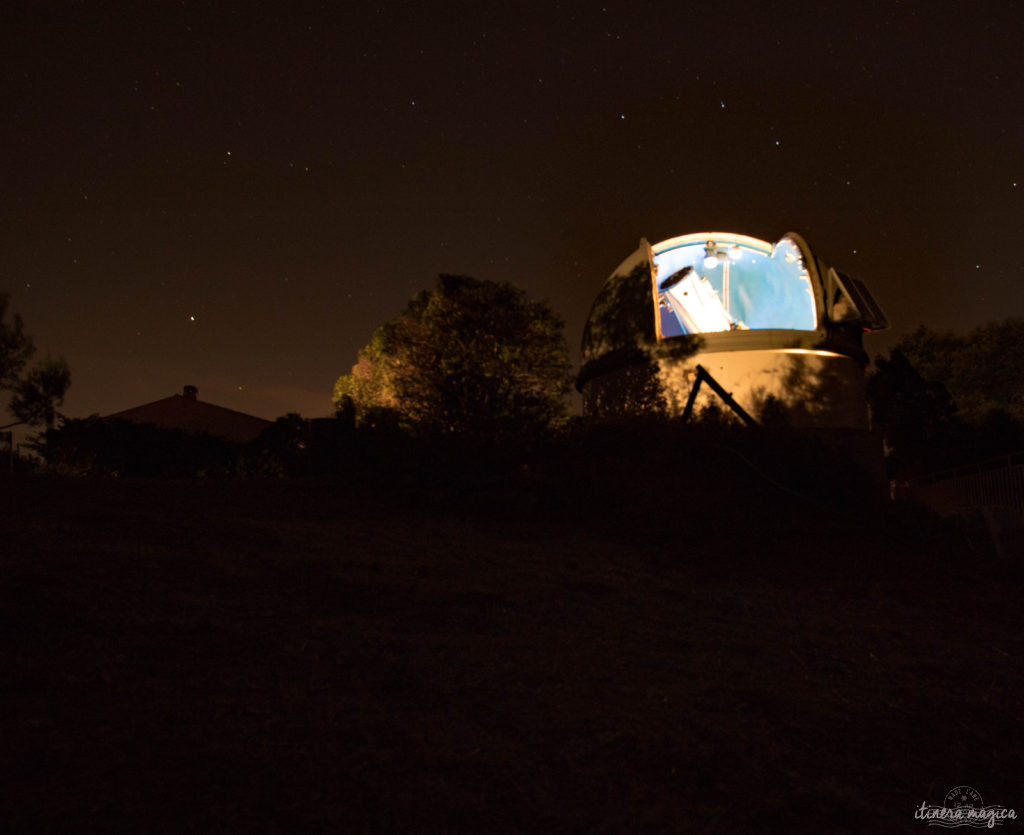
x=214 y=194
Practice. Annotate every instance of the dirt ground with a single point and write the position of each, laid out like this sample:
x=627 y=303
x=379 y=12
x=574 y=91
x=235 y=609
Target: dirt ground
x=303 y=656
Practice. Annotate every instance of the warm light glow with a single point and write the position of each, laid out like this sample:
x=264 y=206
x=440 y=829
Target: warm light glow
x=813 y=351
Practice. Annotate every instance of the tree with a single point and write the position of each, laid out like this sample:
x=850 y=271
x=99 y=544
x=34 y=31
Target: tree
x=623 y=359
x=916 y=416
x=35 y=394
x=983 y=370
x=468 y=356
x=945 y=399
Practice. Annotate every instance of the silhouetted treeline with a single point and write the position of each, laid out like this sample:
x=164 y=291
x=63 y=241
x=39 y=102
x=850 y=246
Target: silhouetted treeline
x=35 y=392
x=944 y=400
x=646 y=471
x=939 y=401
x=107 y=447
x=103 y=447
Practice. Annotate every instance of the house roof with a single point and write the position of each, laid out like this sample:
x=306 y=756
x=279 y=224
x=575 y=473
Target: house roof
x=189 y=414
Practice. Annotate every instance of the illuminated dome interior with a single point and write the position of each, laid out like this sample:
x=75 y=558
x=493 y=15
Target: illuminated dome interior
x=718 y=291
x=731 y=282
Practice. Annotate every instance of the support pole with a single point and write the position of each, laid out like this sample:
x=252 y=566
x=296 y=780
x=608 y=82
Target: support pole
x=703 y=376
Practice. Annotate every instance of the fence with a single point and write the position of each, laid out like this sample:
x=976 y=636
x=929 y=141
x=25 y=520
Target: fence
x=998 y=482
x=6 y=452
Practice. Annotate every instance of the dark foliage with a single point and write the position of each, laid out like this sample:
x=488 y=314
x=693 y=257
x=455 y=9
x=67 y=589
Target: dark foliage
x=102 y=447
x=296 y=446
x=620 y=346
x=35 y=394
x=983 y=370
x=924 y=426
x=16 y=346
x=291 y=446
x=916 y=417
x=590 y=469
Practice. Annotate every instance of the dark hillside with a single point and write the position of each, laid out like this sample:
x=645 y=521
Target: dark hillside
x=297 y=655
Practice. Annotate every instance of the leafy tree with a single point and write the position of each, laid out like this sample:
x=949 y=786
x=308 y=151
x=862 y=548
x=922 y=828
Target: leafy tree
x=281 y=449
x=944 y=399
x=36 y=397
x=16 y=346
x=111 y=447
x=622 y=376
x=467 y=356
x=917 y=417
x=983 y=370
x=35 y=394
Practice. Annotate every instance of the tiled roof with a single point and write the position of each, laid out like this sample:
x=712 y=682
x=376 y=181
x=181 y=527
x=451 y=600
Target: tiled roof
x=188 y=414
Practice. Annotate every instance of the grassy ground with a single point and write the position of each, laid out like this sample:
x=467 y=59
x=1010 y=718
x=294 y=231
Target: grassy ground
x=288 y=656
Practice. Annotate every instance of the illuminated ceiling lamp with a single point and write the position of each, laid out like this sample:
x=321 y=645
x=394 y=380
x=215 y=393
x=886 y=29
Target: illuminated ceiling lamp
x=715 y=254
x=710 y=255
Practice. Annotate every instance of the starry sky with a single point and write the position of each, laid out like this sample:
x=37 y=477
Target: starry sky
x=224 y=195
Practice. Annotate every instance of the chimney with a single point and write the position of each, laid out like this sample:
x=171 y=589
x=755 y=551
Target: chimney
x=191 y=392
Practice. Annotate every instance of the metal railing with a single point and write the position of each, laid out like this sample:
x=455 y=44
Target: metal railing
x=997 y=482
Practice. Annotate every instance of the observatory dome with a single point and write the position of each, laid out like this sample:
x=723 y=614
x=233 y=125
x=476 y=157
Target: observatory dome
x=768 y=322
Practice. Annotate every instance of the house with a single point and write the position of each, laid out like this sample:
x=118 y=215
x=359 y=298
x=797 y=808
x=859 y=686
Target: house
x=186 y=412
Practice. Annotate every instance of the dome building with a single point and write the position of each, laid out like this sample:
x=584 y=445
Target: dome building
x=773 y=325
